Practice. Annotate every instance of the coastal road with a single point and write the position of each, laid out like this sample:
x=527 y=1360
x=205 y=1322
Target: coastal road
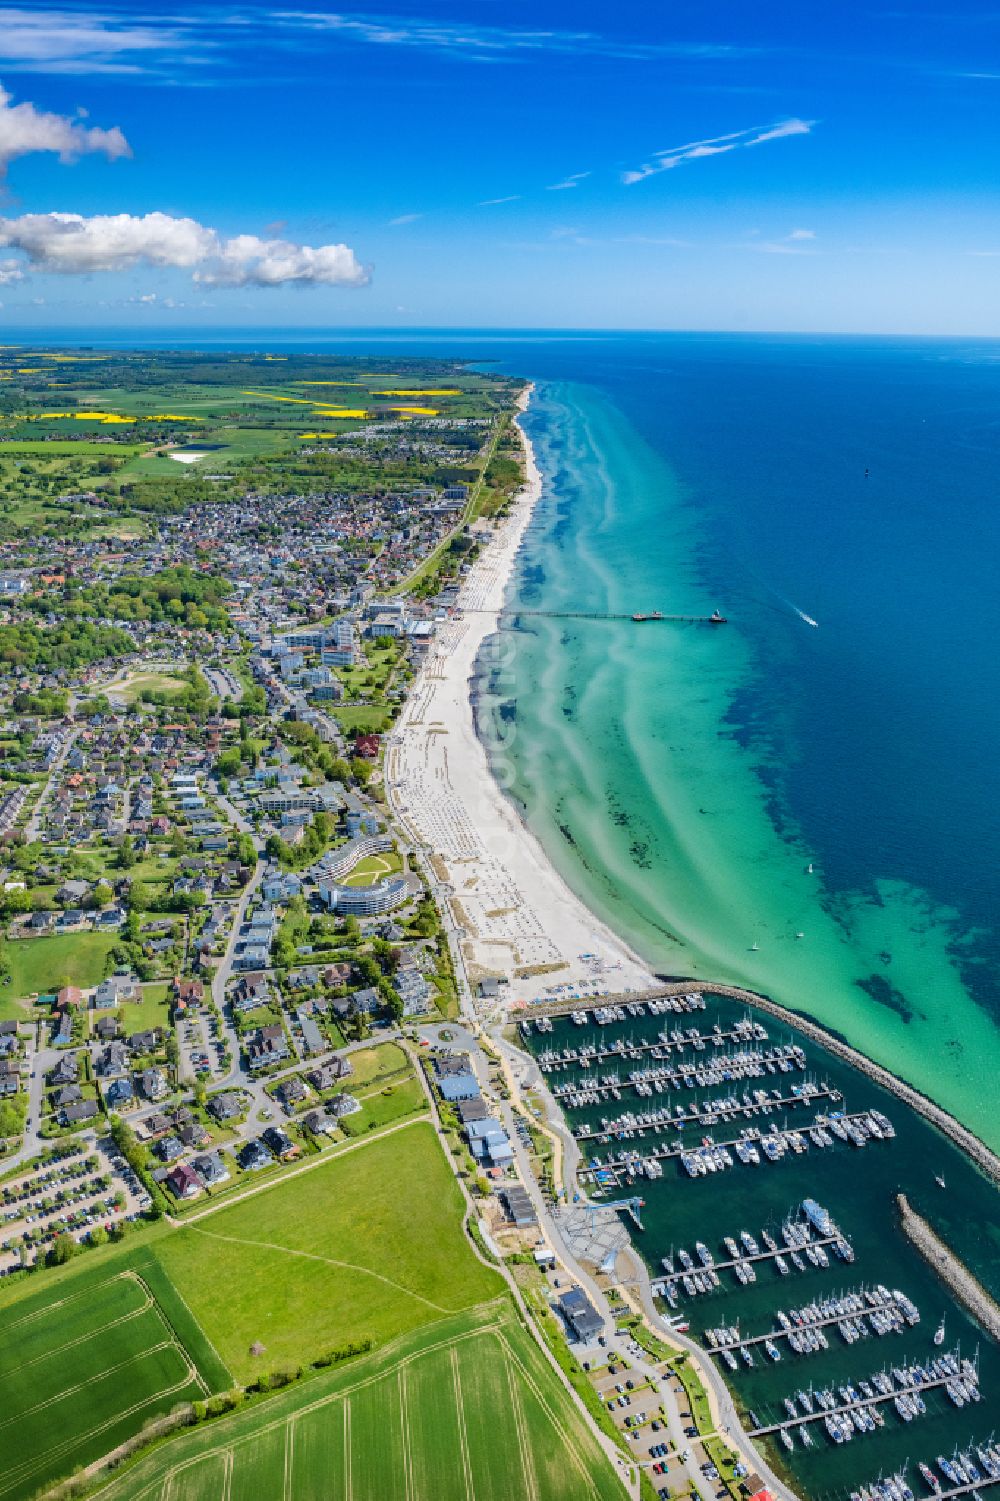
x=627 y=1472
x=518 y=1065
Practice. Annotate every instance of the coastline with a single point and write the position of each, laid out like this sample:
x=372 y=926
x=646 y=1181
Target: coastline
x=508 y=910
x=500 y=891
x=505 y=901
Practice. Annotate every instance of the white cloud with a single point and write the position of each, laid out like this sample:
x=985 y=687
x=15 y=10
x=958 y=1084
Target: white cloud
x=56 y=41
x=802 y=234
x=71 y=244
x=10 y=271
x=402 y=219
x=25 y=129
x=490 y=202
x=736 y=140
x=572 y=181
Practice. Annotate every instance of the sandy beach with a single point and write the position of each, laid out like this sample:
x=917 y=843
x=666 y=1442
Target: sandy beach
x=513 y=916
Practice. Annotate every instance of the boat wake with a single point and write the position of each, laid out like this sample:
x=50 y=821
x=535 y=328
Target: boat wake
x=803 y=616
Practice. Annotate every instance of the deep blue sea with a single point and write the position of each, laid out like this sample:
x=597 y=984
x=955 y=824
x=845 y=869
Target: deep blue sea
x=685 y=779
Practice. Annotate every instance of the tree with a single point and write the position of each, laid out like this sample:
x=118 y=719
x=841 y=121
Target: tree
x=101 y=894
x=63 y=1249
x=126 y=853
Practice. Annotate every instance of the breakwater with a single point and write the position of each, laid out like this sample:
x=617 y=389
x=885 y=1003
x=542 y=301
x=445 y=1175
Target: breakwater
x=953 y=1273
x=968 y=1142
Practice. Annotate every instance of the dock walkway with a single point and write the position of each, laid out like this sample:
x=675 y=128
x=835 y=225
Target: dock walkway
x=707 y=1117
x=632 y=1050
x=780 y=1333
x=844 y=1407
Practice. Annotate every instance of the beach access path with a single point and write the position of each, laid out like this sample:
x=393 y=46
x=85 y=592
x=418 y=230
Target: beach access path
x=508 y=912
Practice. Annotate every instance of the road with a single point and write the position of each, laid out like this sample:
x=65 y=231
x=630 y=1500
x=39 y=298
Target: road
x=237 y=1076
x=33 y=827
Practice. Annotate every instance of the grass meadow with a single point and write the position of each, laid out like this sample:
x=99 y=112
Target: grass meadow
x=367 y=1243
x=41 y=965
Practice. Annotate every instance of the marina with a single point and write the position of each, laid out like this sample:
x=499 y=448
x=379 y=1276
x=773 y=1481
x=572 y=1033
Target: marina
x=737 y=1303
x=751 y=1147
x=856 y=1314
x=962 y=1475
x=860 y=1405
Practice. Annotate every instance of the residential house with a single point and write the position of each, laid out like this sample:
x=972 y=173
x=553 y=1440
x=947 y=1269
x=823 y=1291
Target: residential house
x=211 y=1169
x=328 y=1074
x=254 y=1156
x=119 y=1093
x=154 y=1084
x=66 y=1070
x=75 y=1115
x=267 y=1045
x=291 y=1092
x=280 y=1143
x=169 y=1148
x=184 y=1181
x=113 y=1061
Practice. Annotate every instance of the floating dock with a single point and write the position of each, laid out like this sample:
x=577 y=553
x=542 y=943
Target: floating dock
x=861 y=1403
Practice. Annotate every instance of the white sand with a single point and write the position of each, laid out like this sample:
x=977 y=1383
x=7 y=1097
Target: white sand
x=510 y=907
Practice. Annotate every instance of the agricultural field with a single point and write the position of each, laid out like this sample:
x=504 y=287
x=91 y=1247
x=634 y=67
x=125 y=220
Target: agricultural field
x=334 y=1253
x=83 y=1370
x=467 y=1410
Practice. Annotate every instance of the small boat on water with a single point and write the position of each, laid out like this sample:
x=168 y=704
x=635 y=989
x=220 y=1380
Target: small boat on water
x=939 y=1181
x=939 y=1333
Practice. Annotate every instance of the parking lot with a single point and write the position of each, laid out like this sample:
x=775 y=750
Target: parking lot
x=201 y=1046
x=74 y=1195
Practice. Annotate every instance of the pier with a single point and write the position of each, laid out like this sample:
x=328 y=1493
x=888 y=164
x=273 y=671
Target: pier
x=765 y=1255
x=844 y=1408
x=730 y=1069
x=638 y=1127
x=890 y=1305
x=634 y=1050
x=651 y=618
x=632 y=1161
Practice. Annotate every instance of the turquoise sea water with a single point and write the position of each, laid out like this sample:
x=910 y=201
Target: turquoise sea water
x=684 y=778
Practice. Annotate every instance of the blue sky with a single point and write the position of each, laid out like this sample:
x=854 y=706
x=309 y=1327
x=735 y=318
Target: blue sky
x=642 y=165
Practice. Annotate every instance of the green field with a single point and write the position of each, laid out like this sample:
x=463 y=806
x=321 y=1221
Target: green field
x=131 y=688
x=467 y=1410
x=84 y=1370
x=39 y=965
x=68 y=448
x=140 y=1016
x=374 y=868
x=366 y=719
x=365 y=1243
